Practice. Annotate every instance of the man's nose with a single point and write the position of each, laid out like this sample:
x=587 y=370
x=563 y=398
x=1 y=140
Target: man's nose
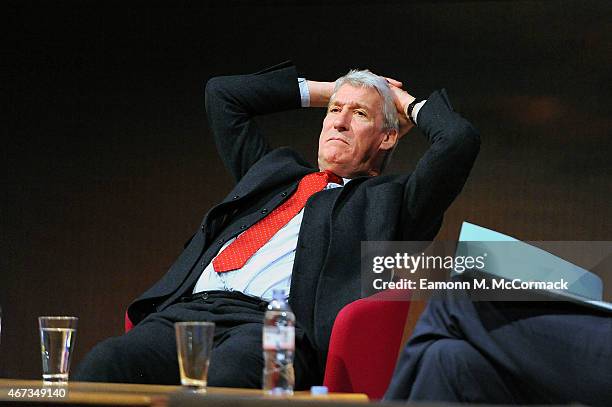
x=342 y=121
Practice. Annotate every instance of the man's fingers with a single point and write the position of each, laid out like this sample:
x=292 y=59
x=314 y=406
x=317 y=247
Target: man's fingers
x=394 y=82
x=397 y=96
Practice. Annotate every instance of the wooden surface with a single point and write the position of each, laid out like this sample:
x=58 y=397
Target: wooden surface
x=82 y=393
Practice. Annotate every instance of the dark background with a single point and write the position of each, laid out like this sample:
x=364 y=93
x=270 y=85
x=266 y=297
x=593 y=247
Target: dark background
x=108 y=165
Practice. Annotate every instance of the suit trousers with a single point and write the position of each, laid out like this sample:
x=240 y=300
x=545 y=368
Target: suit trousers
x=147 y=353
x=507 y=353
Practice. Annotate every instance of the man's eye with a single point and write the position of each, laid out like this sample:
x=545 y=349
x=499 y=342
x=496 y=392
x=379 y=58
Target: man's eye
x=334 y=109
x=360 y=113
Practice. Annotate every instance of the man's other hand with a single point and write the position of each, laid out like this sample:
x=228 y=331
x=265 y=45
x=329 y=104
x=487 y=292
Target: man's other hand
x=402 y=99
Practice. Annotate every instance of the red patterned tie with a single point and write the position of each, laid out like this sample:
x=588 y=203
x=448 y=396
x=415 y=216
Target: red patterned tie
x=242 y=249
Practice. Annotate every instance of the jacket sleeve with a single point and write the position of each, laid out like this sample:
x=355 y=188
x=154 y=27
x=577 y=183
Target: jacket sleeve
x=232 y=102
x=442 y=171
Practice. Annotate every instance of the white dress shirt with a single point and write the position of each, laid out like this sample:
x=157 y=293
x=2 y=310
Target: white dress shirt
x=269 y=268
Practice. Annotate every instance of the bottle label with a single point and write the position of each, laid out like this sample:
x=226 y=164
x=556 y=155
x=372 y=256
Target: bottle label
x=279 y=337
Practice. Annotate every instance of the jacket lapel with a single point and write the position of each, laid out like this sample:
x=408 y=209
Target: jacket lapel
x=276 y=168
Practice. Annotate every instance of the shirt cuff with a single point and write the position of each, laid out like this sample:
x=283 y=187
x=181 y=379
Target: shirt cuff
x=304 y=92
x=415 y=110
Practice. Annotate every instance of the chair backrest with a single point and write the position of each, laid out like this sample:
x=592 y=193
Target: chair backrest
x=128 y=325
x=364 y=345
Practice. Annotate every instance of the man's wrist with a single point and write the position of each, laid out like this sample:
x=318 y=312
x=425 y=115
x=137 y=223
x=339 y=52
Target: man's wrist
x=320 y=92
x=412 y=109
x=409 y=108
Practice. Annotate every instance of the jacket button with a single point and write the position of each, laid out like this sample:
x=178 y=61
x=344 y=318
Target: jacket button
x=284 y=194
x=264 y=211
x=220 y=241
x=243 y=227
x=236 y=197
x=202 y=227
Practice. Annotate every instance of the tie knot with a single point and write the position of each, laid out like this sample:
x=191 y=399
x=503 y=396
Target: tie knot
x=331 y=177
x=316 y=181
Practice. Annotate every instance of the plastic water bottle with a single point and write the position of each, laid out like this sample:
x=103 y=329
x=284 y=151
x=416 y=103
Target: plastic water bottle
x=278 y=346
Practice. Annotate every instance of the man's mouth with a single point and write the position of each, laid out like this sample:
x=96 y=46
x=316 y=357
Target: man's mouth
x=338 y=139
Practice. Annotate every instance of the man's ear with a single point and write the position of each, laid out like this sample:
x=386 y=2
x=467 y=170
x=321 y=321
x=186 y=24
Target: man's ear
x=390 y=140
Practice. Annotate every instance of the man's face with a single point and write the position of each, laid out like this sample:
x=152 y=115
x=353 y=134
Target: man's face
x=352 y=140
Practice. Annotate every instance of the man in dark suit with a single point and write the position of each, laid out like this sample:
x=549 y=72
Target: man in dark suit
x=314 y=255
x=515 y=352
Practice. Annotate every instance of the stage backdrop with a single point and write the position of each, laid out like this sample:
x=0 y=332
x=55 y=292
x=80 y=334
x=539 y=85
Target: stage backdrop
x=108 y=165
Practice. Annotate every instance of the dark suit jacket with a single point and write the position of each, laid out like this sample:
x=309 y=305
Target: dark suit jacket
x=326 y=271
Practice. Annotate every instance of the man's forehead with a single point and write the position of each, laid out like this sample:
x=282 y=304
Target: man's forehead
x=356 y=96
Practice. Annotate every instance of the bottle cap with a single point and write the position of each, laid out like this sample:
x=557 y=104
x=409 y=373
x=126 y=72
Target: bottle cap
x=318 y=390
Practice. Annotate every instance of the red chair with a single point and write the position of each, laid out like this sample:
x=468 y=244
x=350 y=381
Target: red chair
x=364 y=344
x=127 y=323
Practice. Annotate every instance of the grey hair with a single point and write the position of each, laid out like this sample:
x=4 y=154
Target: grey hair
x=366 y=79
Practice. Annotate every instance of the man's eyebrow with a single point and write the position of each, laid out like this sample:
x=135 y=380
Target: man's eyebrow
x=356 y=105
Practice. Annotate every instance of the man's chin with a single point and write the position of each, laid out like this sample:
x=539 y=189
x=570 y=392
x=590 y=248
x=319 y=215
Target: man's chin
x=341 y=170
x=337 y=162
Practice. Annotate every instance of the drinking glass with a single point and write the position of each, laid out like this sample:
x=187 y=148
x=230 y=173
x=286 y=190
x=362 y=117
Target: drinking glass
x=194 y=342
x=57 y=337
